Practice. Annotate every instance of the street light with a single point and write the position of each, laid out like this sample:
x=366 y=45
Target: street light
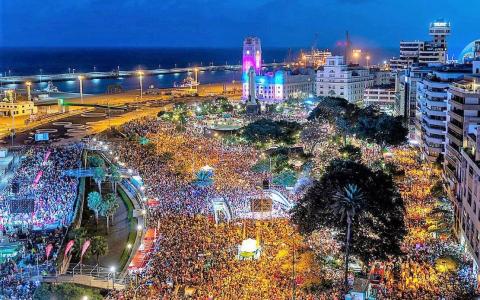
x=29 y=95
x=112 y=269
x=140 y=78
x=196 y=79
x=80 y=79
x=368 y=59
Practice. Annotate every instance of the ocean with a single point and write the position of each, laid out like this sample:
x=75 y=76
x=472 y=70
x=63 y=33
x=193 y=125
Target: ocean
x=35 y=61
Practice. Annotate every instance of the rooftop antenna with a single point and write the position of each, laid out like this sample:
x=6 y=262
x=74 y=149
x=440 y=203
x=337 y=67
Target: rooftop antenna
x=347 y=48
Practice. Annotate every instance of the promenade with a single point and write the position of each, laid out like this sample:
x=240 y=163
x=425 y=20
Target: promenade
x=118 y=73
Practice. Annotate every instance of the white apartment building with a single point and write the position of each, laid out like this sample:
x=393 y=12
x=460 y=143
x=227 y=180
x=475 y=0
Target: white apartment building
x=336 y=79
x=381 y=96
x=431 y=110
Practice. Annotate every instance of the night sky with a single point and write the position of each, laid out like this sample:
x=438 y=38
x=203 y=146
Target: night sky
x=224 y=23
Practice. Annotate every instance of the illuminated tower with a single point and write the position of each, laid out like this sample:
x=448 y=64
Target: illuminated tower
x=252 y=55
x=439 y=30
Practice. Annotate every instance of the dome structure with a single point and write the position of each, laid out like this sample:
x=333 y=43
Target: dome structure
x=468 y=53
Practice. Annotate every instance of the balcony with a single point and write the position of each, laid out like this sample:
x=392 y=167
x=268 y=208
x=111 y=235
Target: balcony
x=434 y=140
x=455 y=128
x=430 y=121
x=454 y=139
x=455 y=116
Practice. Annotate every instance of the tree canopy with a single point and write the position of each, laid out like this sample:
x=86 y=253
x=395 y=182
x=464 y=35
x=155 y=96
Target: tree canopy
x=378 y=227
x=264 y=130
x=366 y=123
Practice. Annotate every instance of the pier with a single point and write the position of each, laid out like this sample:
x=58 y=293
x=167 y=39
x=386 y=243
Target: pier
x=119 y=73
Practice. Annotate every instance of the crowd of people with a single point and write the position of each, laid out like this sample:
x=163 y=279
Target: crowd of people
x=40 y=179
x=193 y=256
x=28 y=228
x=434 y=266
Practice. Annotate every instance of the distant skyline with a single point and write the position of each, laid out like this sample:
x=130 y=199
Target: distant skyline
x=224 y=23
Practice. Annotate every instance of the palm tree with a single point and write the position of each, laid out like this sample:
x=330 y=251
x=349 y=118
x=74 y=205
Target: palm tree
x=115 y=177
x=99 y=246
x=99 y=176
x=94 y=201
x=108 y=208
x=347 y=202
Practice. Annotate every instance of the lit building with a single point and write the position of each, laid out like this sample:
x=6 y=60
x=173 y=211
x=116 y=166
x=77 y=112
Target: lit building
x=381 y=96
x=252 y=55
x=336 y=79
x=279 y=85
x=315 y=58
x=20 y=108
x=424 y=52
x=431 y=110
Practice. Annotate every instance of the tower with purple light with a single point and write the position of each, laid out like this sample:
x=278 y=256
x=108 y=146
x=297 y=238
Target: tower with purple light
x=252 y=55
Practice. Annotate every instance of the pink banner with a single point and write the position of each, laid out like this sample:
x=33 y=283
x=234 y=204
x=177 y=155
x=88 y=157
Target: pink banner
x=69 y=247
x=48 y=250
x=37 y=178
x=47 y=155
x=85 y=248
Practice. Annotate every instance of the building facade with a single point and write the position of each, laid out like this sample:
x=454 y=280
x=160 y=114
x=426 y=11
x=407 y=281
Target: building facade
x=279 y=85
x=336 y=79
x=20 y=108
x=424 y=52
x=431 y=110
x=381 y=96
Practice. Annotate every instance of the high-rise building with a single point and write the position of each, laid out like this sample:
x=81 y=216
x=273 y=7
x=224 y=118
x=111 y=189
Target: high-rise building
x=431 y=110
x=462 y=161
x=424 y=52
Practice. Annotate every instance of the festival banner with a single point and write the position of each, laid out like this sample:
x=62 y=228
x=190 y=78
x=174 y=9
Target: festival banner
x=37 y=178
x=69 y=247
x=85 y=246
x=48 y=250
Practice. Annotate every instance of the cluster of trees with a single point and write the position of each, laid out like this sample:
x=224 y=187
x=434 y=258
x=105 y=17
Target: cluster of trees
x=366 y=123
x=363 y=206
x=66 y=291
x=100 y=172
x=103 y=206
x=217 y=106
x=98 y=244
x=266 y=130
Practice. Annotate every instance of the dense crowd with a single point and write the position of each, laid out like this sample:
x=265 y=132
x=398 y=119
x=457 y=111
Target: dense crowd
x=434 y=265
x=27 y=233
x=40 y=179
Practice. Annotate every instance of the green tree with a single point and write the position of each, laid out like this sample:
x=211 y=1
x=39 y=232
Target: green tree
x=265 y=130
x=65 y=291
x=379 y=227
x=99 y=176
x=99 y=246
x=351 y=152
x=115 y=177
x=96 y=161
x=347 y=202
x=94 y=201
x=108 y=207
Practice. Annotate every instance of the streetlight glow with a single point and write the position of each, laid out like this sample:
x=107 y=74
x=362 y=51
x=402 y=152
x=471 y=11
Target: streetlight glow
x=80 y=80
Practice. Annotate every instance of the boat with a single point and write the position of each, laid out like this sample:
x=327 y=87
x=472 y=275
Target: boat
x=51 y=88
x=188 y=82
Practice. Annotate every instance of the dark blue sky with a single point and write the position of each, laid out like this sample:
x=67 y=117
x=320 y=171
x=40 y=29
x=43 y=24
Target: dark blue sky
x=224 y=23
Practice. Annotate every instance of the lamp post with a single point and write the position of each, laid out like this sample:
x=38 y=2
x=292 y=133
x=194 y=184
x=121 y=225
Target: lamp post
x=140 y=78
x=368 y=60
x=80 y=79
x=112 y=269
x=29 y=95
x=196 y=79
